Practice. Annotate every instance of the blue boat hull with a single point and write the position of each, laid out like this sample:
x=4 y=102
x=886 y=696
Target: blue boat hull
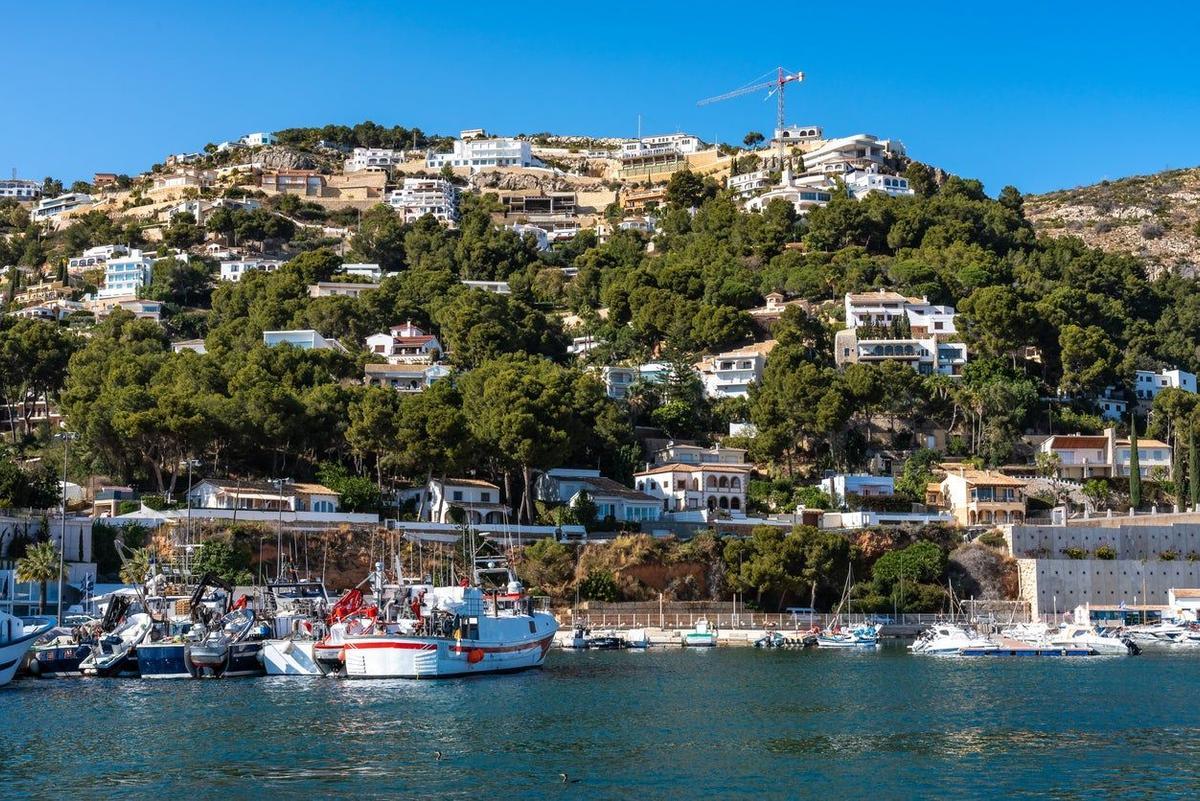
x=59 y=661
x=163 y=661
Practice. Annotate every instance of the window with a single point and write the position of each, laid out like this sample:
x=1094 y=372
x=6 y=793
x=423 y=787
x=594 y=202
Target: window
x=457 y=495
x=485 y=497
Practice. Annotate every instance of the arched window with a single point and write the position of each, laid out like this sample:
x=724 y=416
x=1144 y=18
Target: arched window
x=696 y=484
x=712 y=482
x=712 y=502
x=724 y=502
x=723 y=483
x=734 y=503
x=735 y=483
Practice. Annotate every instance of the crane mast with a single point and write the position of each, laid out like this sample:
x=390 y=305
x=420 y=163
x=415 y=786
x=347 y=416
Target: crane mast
x=776 y=87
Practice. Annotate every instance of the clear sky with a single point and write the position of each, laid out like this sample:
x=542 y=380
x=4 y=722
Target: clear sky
x=1040 y=95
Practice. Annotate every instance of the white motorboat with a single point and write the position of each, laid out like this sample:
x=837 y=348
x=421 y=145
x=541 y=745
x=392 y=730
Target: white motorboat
x=636 y=638
x=435 y=632
x=1164 y=633
x=1033 y=633
x=702 y=636
x=291 y=657
x=17 y=636
x=948 y=639
x=1077 y=635
x=115 y=654
x=300 y=607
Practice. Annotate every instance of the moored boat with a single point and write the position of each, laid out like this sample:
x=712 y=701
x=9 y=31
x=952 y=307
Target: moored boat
x=702 y=636
x=115 y=654
x=948 y=639
x=58 y=652
x=230 y=649
x=865 y=635
x=17 y=636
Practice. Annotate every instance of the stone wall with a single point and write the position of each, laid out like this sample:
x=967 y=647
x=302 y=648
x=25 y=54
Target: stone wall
x=1130 y=541
x=1063 y=584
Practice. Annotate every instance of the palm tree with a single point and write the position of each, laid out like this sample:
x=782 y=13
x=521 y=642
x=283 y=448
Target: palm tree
x=41 y=564
x=136 y=567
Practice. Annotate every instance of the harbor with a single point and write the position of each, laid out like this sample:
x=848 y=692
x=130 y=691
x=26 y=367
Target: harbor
x=732 y=722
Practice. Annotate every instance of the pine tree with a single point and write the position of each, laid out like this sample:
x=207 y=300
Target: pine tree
x=1135 y=474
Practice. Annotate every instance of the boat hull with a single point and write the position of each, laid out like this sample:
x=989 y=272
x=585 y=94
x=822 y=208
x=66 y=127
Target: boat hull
x=58 y=661
x=429 y=658
x=229 y=661
x=163 y=661
x=291 y=658
x=124 y=666
x=18 y=640
x=700 y=641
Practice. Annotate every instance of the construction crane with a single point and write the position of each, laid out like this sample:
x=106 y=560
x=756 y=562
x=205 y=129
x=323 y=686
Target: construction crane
x=773 y=87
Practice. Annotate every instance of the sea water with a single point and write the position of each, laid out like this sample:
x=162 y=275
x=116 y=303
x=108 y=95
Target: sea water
x=704 y=723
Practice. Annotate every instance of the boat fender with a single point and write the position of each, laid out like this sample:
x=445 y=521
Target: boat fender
x=35 y=667
x=475 y=655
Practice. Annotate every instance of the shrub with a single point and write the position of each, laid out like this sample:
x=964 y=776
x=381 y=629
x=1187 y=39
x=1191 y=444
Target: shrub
x=1075 y=553
x=1106 y=552
x=993 y=539
x=1169 y=556
x=1152 y=229
x=598 y=586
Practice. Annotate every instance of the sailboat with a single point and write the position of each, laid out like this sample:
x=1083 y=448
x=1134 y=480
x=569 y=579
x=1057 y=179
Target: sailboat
x=864 y=635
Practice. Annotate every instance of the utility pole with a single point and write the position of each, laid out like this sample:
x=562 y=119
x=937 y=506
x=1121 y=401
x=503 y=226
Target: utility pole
x=66 y=437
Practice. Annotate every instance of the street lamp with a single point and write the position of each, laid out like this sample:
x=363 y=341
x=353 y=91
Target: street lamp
x=278 y=482
x=65 y=437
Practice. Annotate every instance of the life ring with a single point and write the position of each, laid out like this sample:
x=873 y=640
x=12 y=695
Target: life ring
x=475 y=655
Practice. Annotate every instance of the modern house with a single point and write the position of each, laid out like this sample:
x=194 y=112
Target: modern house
x=888 y=326
x=1147 y=384
x=372 y=158
x=94 y=257
x=689 y=487
x=838 y=486
x=417 y=197
x=403 y=377
x=695 y=454
x=293 y=505
x=308 y=183
x=194 y=345
x=364 y=270
x=20 y=189
x=1104 y=456
x=125 y=275
x=257 y=139
x=332 y=289
x=495 y=287
x=54 y=206
x=978 y=497
x=477 y=154
x=730 y=374
x=405 y=344
x=861 y=183
x=304 y=339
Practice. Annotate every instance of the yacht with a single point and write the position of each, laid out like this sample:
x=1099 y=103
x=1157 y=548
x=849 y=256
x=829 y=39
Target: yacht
x=17 y=636
x=1078 y=635
x=489 y=625
x=702 y=636
x=948 y=639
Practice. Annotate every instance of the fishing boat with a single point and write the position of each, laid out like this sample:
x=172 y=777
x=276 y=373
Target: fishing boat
x=582 y=639
x=59 y=652
x=702 y=636
x=948 y=639
x=772 y=639
x=230 y=649
x=298 y=609
x=488 y=625
x=17 y=636
x=179 y=620
x=115 y=653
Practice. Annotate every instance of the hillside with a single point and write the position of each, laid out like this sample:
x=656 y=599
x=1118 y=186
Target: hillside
x=1151 y=216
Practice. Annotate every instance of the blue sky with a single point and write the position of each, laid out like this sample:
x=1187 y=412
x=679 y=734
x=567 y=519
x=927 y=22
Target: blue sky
x=1041 y=95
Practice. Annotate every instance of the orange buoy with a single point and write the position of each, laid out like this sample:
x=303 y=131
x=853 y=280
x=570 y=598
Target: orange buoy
x=475 y=655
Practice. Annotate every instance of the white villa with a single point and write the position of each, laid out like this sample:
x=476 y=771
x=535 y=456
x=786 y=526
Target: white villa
x=372 y=158
x=478 y=500
x=477 y=154
x=416 y=197
x=53 y=206
x=495 y=287
x=405 y=344
x=294 y=505
x=370 y=272
x=690 y=487
x=861 y=183
x=330 y=289
x=730 y=374
x=612 y=500
x=838 y=486
x=1105 y=455
x=125 y=275
x=403 y=377
x=234 y=269
x=304 y=339
x=887 y=326
x=20 y=189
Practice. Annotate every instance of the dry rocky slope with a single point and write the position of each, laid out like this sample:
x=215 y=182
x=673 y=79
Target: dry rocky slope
x=1151 y=216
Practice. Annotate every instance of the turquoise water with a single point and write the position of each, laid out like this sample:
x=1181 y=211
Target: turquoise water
x=724 y=723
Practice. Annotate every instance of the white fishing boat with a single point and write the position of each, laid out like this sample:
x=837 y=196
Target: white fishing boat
x=637 y=639
x=299 y=610
x=115 y=654
x=948 y=639
x=490 y=626
x=701 y=636
x=17 y=636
